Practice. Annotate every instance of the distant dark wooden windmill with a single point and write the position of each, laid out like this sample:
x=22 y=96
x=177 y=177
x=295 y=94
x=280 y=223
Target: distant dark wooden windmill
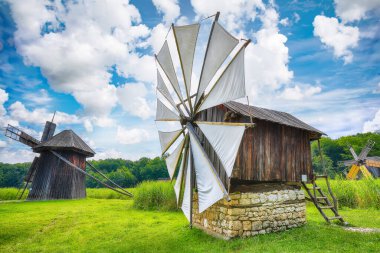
x=59 y=172
x=368 y=166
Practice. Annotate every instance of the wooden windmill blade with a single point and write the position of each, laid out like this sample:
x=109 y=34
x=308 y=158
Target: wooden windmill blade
x=19 y=135
x=353 y=152
x=196 y=168
x=363 y=154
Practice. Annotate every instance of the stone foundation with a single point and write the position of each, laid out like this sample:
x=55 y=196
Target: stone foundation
x=252 y=213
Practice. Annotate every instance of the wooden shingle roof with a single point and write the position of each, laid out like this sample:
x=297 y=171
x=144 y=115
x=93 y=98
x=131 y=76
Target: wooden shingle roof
x=282 y=118
x=65 y=140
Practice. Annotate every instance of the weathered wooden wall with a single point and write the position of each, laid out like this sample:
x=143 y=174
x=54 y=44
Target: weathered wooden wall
x=54 y=179
x=268 y=152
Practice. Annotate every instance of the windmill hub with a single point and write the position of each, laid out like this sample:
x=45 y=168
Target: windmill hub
x=184 y=120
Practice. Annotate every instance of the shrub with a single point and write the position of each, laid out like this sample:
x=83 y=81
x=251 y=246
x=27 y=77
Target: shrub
x=155 y=195
x=10 y=193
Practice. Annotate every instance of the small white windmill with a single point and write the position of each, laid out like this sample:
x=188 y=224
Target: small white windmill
x=224 y=137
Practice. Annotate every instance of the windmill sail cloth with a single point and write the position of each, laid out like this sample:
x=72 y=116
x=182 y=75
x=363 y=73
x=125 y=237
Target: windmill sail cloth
x=165 y=114
x=173 y=158
x=177 y=186
x=161 y=87
x=165 y=60
x=225 y=140
x=209 y=186
x=186 y=203
x=230 y=86
x=220 y=46
x=186 y=37
x=166 y=138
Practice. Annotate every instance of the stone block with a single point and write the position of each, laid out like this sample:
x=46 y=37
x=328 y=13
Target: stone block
x=257 y=225
x=249 y=214
x=247 y=225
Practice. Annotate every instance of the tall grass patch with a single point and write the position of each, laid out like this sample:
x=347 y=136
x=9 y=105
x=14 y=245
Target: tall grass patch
x=105 y=193
x=155 y=195
x=364 y=193
x=10 y=193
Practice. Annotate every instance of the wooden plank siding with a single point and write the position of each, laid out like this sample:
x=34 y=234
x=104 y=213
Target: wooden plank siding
x=269 y=152
x=54 y=179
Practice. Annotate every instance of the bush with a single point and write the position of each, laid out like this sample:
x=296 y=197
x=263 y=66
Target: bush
x=364 y=193
x=10 y=193
x=155 y=195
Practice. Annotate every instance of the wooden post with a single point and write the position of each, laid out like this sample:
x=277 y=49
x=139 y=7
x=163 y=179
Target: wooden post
x=191 y=187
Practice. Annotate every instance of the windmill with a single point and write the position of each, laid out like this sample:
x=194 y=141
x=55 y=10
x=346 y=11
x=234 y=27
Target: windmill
x=361 y=162
x=59 y=171
x=196 y=169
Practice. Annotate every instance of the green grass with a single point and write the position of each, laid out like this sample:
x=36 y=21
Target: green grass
x=155 y=195
x=363 y=193
x=94 y=193
x=113 y=225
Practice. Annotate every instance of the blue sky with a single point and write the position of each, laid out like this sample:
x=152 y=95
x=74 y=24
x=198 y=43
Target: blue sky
x=92 y=62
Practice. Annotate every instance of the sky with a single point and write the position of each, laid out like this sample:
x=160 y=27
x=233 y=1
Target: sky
x=93 y=63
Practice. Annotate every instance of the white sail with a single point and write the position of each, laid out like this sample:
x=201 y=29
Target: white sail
x=166 y=63
x=209 y=186
x=173 y=158
x=186 y=37
x=220 y=46
x=177 y=186
x=163 y=113
x=230 y=86
x=225 y=140
x=161 y=87
x=186 y=203
x=167 y=138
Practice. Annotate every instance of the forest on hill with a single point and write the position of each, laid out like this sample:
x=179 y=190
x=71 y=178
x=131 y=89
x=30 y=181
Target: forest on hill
x=128 y=173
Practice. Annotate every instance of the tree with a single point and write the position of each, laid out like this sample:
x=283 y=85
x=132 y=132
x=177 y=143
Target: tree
x=123 y=177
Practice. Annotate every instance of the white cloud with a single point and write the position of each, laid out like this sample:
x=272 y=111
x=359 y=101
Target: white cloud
x=372 y=125
x=267 y=60
x=341 y=38
x=377 y=90
x=132 y=99
x=297 y=17
x=19 y=112
x=169 y=8
x=40 y=98
x=354 y=10
x=132 y=136
x=284 y=22
x=3 y=144
x=3 y=98
x=10 y=155
x=76 y=43
x=298 y=92
x=234 y=14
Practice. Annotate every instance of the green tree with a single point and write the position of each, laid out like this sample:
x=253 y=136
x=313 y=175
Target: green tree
x=123 y=177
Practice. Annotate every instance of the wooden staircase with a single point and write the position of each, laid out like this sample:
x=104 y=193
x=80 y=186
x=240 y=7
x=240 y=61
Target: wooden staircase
x=321 y=201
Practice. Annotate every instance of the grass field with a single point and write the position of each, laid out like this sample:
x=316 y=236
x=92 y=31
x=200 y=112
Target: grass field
x=113 y=225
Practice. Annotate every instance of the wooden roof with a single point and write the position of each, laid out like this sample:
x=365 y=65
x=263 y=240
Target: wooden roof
x=282 y=118
x=373 y=161
x=65 y=140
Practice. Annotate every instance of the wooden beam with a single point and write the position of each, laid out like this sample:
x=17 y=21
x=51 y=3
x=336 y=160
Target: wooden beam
x=225 y=123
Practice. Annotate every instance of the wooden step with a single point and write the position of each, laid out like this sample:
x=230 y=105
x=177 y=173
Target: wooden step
x=321 y=176
x=310 y=189
x=334 y=218
x=326 y=207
